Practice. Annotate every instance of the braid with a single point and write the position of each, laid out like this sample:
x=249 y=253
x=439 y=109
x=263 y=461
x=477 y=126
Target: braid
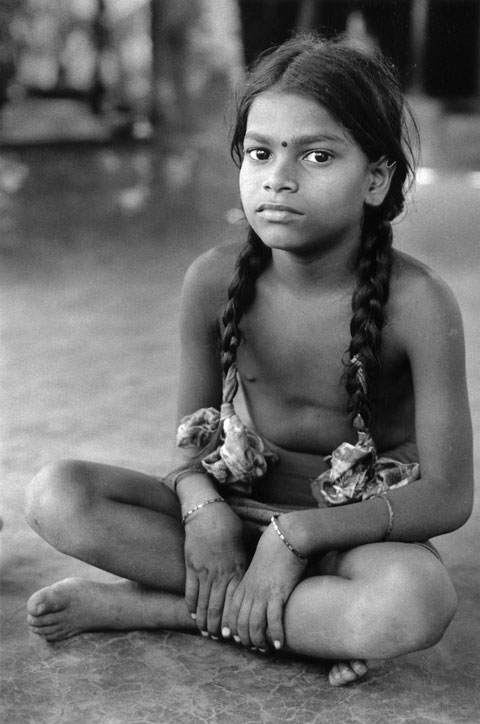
x=368 y=305
x=251 y=262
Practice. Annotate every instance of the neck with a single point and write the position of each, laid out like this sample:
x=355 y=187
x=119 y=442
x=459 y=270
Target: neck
x=332 y=269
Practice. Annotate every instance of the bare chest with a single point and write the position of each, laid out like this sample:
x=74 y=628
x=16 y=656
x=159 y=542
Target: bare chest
x=291 y=362
x=298 y=347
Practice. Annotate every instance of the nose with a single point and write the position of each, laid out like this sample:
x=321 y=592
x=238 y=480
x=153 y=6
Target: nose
x=280 y=177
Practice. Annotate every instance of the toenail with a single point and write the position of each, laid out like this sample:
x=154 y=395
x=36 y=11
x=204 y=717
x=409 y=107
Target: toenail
x=236 y=638
x=215 y=638
x=205 y=633
x=225 y=632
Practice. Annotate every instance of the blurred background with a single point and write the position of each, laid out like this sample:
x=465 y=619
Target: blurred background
x=114 y=175
x=101 y=69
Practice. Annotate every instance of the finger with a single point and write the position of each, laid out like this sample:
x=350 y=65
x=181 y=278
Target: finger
x=202 y=604
x=191 y=592
x=276 y=631
x=235 y=606
x=227 y=607
x=257 y=626
x=215 y=609
x=243 y=622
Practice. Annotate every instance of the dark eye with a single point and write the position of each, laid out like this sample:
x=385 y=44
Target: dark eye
x=258 y=154
x=318 y=156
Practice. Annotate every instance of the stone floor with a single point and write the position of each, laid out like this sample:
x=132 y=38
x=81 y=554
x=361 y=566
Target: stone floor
x=94 y=244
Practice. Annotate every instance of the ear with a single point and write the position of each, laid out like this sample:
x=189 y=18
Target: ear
x=381 y=174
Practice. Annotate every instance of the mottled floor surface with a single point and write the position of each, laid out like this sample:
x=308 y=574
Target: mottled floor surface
x=94 y=245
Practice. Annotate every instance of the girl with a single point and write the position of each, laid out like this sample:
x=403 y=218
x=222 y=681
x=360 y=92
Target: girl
x=340 y=344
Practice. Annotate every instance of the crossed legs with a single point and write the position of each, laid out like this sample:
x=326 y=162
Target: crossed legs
x=375 y=601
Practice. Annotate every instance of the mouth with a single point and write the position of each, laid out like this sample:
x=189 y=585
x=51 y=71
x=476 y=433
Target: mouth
x=277 y=212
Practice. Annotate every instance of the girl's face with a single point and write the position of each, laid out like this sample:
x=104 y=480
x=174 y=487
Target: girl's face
x=303 y=180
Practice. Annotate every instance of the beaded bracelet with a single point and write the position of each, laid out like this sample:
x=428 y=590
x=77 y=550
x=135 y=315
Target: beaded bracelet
x=200 y=506
x=277 y=530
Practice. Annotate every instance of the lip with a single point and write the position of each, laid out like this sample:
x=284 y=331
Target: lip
x=269 y=206
x=278 y=213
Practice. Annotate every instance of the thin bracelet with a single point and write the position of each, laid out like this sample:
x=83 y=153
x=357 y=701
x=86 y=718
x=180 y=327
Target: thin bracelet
x=277 y=530
x=383 y=496
x=183 y=474
x=200 y=506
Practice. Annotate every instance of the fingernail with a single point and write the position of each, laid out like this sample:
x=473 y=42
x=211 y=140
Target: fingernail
x=194 y=616
x=204 y=633
x=277 y=645
x=225 y=632
x=236 y=638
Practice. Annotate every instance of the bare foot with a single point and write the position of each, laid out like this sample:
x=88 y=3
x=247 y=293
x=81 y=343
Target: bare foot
x=74 y=605
x=346 y=671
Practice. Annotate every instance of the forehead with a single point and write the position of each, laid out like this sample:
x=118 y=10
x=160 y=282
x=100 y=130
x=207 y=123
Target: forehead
x=289 y=116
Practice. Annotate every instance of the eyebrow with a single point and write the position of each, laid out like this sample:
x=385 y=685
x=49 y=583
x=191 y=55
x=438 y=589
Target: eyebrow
x=300 y=140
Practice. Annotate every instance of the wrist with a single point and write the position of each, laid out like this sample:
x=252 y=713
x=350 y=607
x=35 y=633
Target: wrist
x=277 y=526
x=293 y=528
x=196 y=508
x=193 y=487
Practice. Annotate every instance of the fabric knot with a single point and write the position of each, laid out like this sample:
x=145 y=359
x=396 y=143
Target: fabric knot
x=227 y=410
x=230 y=384
x=361 y=375
x=357 y=473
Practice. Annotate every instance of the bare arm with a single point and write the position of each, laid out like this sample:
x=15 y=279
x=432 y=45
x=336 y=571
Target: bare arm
x=215 y=557
x=430 y=327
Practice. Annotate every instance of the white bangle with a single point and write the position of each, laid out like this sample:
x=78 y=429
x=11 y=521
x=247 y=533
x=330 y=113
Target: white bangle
x=383 y=496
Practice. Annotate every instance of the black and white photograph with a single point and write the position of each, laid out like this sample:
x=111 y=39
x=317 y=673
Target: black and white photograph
x=239 y=361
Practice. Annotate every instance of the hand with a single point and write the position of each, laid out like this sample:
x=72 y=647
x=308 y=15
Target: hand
x=215 y=559
x=256 y=612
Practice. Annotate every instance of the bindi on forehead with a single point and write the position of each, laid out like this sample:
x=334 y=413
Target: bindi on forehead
x=284 y=144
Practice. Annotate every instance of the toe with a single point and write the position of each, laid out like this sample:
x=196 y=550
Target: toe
x=341 y=674
x=359 y=667
x=51 y=633
x=45 y=630
x=49 y=619
x=45 y=601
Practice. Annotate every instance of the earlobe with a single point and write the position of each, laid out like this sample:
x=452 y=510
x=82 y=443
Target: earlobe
x=381 y=172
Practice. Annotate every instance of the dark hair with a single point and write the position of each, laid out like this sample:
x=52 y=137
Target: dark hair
x=360 y=89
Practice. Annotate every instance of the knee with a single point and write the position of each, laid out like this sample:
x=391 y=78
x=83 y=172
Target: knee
x=58 y=492
x=410 y=609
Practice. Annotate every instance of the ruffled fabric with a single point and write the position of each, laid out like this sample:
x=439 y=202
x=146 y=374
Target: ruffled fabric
x=357 y=473
x=241 y=456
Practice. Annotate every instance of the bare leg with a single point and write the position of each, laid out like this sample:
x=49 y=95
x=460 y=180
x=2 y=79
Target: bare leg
x=121 y=521
x=373 y=602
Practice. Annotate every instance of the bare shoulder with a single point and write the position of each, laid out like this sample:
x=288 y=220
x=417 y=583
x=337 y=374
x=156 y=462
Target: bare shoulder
x=207 y=279
x=213 y=269
x=421 y=300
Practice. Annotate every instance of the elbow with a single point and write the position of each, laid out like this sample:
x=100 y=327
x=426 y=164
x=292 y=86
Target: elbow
x=460 y=511
x=465 y=513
